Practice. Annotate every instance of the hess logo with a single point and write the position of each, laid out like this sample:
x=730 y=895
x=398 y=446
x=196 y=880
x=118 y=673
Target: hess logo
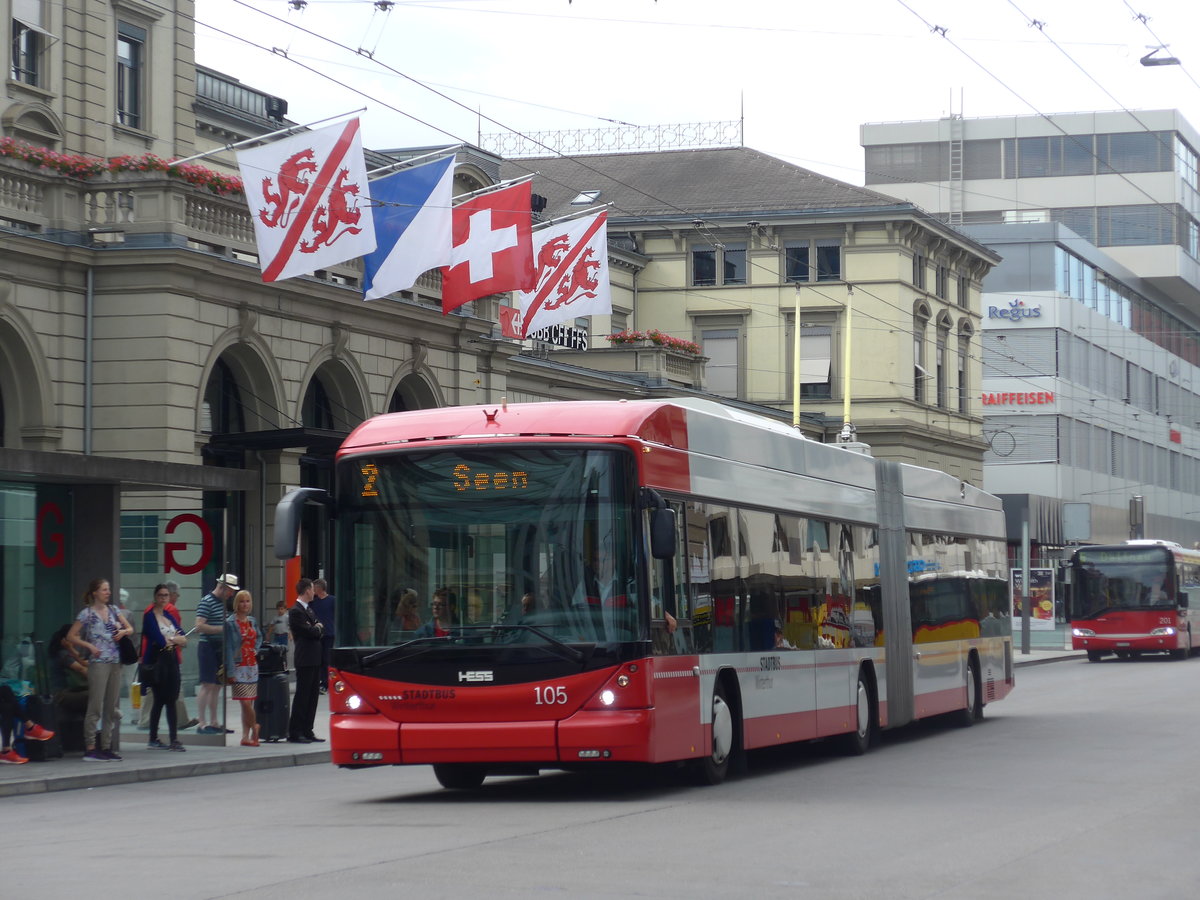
x=483 y=675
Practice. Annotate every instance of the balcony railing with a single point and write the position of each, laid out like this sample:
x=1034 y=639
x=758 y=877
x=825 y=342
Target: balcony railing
x=659 y=365
x=148 y=208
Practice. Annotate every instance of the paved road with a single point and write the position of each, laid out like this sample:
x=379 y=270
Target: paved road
x=1078 y=785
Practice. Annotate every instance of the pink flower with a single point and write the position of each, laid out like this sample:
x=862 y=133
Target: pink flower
x=88 y=167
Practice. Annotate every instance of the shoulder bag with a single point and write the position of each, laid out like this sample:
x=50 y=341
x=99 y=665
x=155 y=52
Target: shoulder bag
x=129 y=654
x=148 y=674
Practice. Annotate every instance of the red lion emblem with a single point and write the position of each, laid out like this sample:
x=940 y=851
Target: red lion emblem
x=552 y=253
x=293 y=184
x=330 y=224
x=580 y=283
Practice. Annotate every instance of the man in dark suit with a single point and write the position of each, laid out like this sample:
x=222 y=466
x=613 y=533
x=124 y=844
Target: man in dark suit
x=323 y=605
x=306 y=639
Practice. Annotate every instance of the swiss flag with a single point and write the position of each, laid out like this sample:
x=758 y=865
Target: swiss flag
x=493 y=247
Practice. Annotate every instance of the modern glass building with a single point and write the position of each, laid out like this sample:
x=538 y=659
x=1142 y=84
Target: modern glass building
x=1090 y=387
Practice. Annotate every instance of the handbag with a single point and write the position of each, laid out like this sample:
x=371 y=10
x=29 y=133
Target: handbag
x=147 y=675
x=128 y=652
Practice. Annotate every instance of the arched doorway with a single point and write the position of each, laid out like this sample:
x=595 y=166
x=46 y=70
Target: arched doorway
x=413 y=392
x=239 y=402
x=334 y=403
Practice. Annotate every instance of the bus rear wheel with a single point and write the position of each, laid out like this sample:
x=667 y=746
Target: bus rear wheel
x=965 y=718
x=459 y=776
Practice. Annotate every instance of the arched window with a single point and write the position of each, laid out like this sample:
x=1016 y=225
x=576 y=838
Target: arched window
x=412 y=393
x=317 y=411
x=941 y=363
x=223 y=412
x=965 y=333
x=921 y=317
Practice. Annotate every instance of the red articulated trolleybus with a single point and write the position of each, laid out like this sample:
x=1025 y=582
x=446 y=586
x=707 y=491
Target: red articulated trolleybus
x=655 y=581
x=1132 y=598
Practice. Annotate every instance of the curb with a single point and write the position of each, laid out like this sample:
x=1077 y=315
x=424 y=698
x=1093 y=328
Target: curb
x=130 y=775
x=1044 y=660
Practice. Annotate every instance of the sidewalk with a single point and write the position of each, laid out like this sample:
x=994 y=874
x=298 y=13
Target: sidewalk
x=203 y=757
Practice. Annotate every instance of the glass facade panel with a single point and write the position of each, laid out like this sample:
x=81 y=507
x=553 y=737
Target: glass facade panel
x=36 y=568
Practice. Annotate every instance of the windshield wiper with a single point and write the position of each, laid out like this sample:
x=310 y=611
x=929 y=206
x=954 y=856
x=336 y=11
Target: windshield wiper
x=566 y=651
x=407 y=650
x=420 y=646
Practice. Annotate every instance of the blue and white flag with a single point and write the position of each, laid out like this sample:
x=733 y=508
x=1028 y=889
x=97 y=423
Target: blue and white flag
x=412 y=227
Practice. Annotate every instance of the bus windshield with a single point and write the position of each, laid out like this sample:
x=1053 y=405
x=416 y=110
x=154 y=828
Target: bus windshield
x=499 y=544
x=1122 y=579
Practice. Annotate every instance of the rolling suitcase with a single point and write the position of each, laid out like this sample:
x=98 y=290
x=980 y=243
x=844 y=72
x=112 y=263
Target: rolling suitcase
x=272 y=659
x=272 y=706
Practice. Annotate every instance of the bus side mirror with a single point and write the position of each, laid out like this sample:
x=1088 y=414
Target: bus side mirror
x=287 y=519
x=1183 y=601
x=662 y=533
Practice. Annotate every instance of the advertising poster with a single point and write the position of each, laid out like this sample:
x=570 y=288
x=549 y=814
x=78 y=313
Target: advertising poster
x=1041 y=594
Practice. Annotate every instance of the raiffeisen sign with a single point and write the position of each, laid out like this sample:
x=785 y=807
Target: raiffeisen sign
x=1016 y=311
x=1018 y=398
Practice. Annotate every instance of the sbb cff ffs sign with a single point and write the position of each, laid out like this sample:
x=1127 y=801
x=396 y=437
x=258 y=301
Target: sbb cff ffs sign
x=562 y=336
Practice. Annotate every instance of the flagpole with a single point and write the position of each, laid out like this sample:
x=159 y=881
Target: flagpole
x=443 y=151
x=582 y=212
x=499 y=184
x=290 y=129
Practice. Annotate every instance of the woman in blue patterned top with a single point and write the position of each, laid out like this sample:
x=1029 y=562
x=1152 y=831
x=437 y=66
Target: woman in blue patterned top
x=97 y=629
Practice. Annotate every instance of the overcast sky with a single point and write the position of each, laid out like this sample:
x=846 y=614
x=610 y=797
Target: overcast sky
x=804 y=74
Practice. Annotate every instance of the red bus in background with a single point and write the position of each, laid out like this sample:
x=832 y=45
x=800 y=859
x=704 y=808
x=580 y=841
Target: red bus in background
x=1133 y=598
x=668 y=581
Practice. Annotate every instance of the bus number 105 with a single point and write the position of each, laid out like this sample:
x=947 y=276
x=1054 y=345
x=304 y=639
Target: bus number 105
x=550 y=696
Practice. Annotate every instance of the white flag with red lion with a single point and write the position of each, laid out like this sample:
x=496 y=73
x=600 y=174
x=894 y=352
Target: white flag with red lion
x=571 y=259
x=309 y=201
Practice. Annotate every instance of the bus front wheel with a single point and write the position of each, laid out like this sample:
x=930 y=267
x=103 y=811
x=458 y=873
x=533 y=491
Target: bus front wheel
x=858 y=741
x=459 y=776
x=713 y=768
x=1183 y=652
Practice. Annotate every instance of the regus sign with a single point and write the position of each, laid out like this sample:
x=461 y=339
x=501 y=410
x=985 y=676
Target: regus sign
x=1015 y=311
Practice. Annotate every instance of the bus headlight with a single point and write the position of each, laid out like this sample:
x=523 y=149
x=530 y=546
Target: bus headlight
x=1083 y=632
x=607 y=697
x=1160 y=631
x=354 y=702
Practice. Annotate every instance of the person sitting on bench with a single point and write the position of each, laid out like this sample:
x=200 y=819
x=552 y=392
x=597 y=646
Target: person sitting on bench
x=11 y=717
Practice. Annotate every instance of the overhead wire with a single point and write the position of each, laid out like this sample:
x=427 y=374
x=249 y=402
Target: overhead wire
x=943 y=32
x=706 y=229
x=710 y=234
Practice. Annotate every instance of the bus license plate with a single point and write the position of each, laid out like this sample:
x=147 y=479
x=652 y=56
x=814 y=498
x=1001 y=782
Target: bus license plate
x=1122 y=643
